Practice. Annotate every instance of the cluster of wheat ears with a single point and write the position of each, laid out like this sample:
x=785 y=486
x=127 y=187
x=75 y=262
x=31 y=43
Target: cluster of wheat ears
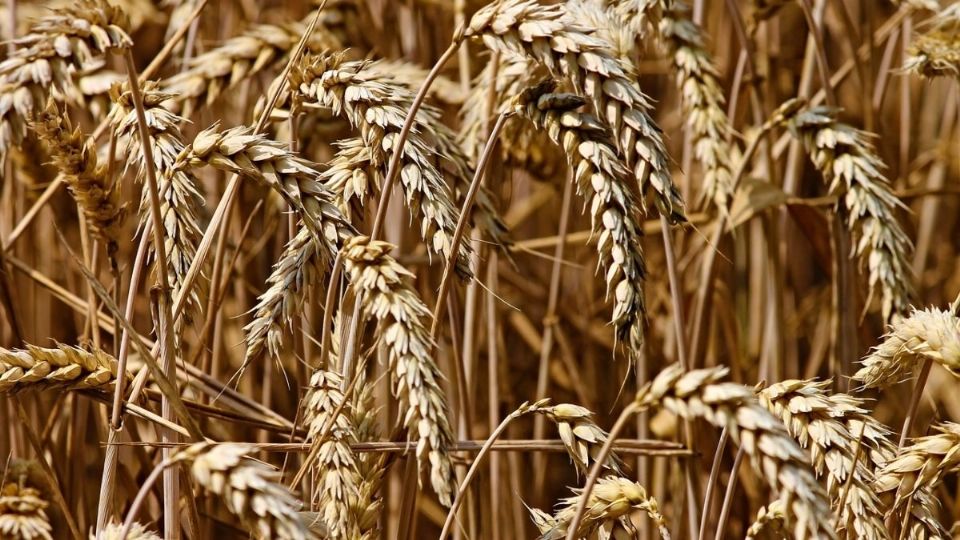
x=363 y=269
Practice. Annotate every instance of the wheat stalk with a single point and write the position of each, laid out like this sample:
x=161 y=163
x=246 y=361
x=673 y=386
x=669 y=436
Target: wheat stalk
x=930 y=334
x=180 y=200
x=55 y=46
x=64 y=366
x=377 y=109
x=381 y=285
x=850 y=165
x=249 y=489
x=567 y=49
x=76 y=157
x=137 y=532
x=23 y=514
x=775 y=456
x=612 y=498
x=602 y=180
x=819 y=423
x=936 y=52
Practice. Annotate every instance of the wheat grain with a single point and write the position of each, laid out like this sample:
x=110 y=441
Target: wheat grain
x=569 y=51
x=602 y=180
x=75 y=155
x=249 y=489
x=23 y=514
x=818 y=423
x=56 y=45
x=380 y=283
x=850 y=165
x=775 y=456
x=612 y=497
x=137 y=532
x=931 y=333
x=64 y=366
x=180 y=200
x=936 y=52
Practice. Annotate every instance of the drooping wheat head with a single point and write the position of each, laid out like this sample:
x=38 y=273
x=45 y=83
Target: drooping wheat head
x=23 y=514
x=849 y=163
x=775 y=456
x=137 y=532
x=382 y=286
x=936 y=52
x=602 y=181
x=581 y=436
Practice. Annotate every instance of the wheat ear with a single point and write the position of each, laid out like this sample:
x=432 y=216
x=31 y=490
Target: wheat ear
x=582 y=438
x=936 y=52
x=23 y=514
x=382 y=286
x=931 y=334
x=567 y=49
x=137 y=532
x=819 y=424
x=249 y=489
x=850 y=165
x=602 y=181
x=775 y=456
x=769 y=524
x=55 y=46
x=76 y=157
x=377 y=108
x=64 y=366
x=180 y=200
x=612 y=498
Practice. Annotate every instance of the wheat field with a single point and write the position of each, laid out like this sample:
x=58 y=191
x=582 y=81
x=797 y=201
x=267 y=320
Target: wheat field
x=402 y=269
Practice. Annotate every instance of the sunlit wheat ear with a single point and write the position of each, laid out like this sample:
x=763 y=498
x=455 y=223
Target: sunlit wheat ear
x=581 y=437
x=23 y=514
x=180 y=200
x=917 y=470
x=612 y=498
x=926 y=334
x=260 y=48
x=849 y=163
x=335 y=468
x=769 y=524
x=604 y=184
x=775 y=456
x=55 y=46
x=589 y=64
x=819 y=424
x=248 y=489
x=76 y=157
x=62 y=367
x=377 y=108
x=383 y=287
x=137 y=532
x=936 y=52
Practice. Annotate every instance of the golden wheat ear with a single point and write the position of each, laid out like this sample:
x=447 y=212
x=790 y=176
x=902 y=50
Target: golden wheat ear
x=612 y=498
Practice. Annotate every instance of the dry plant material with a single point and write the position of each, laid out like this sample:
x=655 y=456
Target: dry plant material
x=581 y=437
x=612 y=498
x=931 y=334
x=56 y=45
x=137 y=532
x=249 y=489
x=849 y=163
x=75 y=155
x=62 y=367
x=936 y=52
x=602 y=180
x=775 y=456
x=818 y=421
x=769 y=524
x=381 y=285
x=23 y=514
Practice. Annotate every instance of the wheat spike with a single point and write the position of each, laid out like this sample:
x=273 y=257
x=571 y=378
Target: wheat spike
x=381 y=284
x=936 y=52
x=850 y=165
x=180 y=200
x=64 y=366
x=335 y=466
x=137 y=532
x=769 y=524
x=259 y=48
x=55 y=46
x=76 y=157
x=589 y=64
x=775 y=456
x=931 y=333
x=377 y=109
x=23 y=515
x=819 y=424
x=602 y=180
x=612 y=497
x=581 y=437
x=249 y=489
